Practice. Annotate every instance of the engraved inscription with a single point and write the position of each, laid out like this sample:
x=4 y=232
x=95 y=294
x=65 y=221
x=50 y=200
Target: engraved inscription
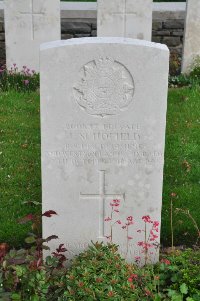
x=102 y=196
x=108 y=143
x=105 y=87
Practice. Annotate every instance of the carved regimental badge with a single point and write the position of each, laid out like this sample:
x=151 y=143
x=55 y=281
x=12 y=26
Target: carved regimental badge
x=105 y=87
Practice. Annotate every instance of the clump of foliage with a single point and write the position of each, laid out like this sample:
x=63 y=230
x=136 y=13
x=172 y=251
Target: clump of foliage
x=174 y=64
x=195 y=72
x=24 y=275
x=99 y=273
x=182 y=80
x=25 y=80
x=179 y=276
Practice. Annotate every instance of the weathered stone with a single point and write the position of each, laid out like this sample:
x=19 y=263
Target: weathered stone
x=2 y=36
x=2 y=50
x=156 y=39
x=1 y=26
x=75 y=27
x=94 y=33
x=125 y=18
x=192 y=36
x=28 y=23
x=82 y=35
x=178 y=33
x=177 y=49
x=94 y=26
x=171 y=41
x=66 y=36
x=157 y=25
x=161 y=33
x=103 y=112
x=171 y=24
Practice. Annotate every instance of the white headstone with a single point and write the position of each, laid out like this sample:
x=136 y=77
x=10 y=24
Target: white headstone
x=103 y=111
x=125 y=18
x=28 y=23
x=192 y=35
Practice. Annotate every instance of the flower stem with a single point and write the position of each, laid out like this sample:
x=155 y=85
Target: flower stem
x=171 y=220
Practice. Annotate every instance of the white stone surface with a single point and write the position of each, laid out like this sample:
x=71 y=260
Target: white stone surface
x=88 y=10
x=125 y=18
x=28 y=23
x=103 y=111
x=192 y=35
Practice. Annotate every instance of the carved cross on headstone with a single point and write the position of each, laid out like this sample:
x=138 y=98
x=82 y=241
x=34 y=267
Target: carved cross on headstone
x=102 y=196
x=32 y=15
x=124 y=13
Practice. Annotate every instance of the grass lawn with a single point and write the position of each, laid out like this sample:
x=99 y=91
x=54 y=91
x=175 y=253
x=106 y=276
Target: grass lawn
x=20 y=178
x=182 y=163
x=19 y=162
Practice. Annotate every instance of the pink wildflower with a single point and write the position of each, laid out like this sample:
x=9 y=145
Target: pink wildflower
x=147 y=219
x=116 y=201
x=134 y=276
x=26 y=82
x=166 y=261
x=156 y=224
x=137 y=258
x=130 y=218
x=119 y=222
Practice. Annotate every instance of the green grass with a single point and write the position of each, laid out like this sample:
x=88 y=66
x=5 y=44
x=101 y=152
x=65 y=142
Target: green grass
x=182 y=143
x=20 y=178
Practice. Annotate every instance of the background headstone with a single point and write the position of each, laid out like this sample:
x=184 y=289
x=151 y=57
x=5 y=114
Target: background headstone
x=191 y=48
x=125 y=18
x=28 y=23
x=103 y=111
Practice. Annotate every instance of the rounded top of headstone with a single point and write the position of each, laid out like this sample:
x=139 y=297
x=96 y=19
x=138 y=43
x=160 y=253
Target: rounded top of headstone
x=103 y=40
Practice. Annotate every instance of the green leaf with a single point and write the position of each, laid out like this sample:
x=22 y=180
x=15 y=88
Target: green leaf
x=171 y=293
x=12 y=253
x=19 y=270
x=30 y=240
x=189 y=299
x=174 y=278
x=16 y=296
x=157 y=298
x=177 y=298
x=35 y=298
x=184 y=289
x=44 y=247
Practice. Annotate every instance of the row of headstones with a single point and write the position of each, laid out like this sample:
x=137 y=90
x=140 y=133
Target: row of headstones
x=28 y=23
x=103 y=117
